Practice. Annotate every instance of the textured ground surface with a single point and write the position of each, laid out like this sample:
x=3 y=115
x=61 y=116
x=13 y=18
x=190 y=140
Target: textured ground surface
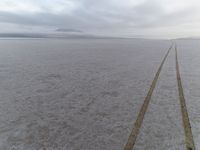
x=189 y=56
x=162 y=127
x=85 y=94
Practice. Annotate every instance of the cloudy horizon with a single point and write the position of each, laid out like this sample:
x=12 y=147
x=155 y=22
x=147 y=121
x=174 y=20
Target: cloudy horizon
x=128 y=18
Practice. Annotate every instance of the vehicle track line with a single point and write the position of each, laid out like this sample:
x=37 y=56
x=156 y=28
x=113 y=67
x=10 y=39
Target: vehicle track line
x=133 y=136
x=186 y=122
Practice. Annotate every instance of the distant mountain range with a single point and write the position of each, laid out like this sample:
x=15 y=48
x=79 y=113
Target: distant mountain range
x=57 y=33
x=60 y=34
x=45 y=35
x=22 y=35
x=66 y=33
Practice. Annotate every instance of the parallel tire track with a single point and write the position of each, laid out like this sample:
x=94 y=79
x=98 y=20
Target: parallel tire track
x=133 y=136
x=186 y=123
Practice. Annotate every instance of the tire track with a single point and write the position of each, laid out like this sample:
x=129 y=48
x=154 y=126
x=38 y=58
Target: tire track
x=186 y=122
x=133 y=136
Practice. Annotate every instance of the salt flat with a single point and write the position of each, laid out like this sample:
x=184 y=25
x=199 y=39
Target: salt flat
x=85 y=94
x=190 y=70
x=162 y=127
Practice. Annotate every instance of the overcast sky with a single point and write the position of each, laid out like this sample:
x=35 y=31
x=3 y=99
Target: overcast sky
x=132 y=18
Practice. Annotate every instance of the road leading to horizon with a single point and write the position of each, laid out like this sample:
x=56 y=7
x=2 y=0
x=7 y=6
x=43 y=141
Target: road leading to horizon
x=86 y=94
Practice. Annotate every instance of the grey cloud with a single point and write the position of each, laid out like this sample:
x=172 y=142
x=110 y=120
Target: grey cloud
x=104 y=15
x=68 y=30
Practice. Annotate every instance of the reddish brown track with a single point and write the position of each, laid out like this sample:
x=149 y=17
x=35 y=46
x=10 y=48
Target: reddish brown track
x=186 y=122
x=132 y=138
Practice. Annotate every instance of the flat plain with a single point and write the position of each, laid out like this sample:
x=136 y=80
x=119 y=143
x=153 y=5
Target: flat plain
x=85 y=94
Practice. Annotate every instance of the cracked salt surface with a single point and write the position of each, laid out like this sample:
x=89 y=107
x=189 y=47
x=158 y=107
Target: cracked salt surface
x=189 y=55
x=74 y=94
x=162 y=127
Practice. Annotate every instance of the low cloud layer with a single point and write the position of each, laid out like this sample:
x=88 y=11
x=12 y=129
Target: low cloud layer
x=127 y=18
